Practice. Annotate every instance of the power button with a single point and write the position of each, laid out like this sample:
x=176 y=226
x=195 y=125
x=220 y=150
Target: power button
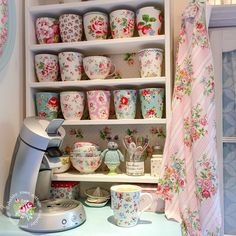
x=64 y=221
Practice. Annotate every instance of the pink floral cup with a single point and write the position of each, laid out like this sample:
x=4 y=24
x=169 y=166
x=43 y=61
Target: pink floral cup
x=149 y=21
x=47 y=30
x=72 y=104
x=122 y=23
x=150 y=62
x=71 y=27
x=97 y=67
x=46 y=67
x=98 y=104
x=95 y=25
x=71 y=65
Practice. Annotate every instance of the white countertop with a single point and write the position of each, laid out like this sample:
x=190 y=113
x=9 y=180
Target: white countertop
x=98 y=224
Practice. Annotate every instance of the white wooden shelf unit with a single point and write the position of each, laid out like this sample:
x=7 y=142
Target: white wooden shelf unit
x=35 y=8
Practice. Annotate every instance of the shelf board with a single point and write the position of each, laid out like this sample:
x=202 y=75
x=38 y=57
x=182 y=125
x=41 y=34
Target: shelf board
x=116 y=122
x=101 y=177
x=88 y=84
x=83 y=7
x=108 y=46
x=229 y=139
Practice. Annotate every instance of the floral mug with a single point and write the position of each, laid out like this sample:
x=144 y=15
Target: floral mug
x=149 y=21
x=71 y=27
x=152 y=102
x=98 y=104
x=95 y=25
x=72 y=104
x=125 y=103
x=46 y=67
x=150 y=62
x=71 y=65
x=47 y=30
x=125 y=201
x=122 y=23
x=97 y=67
x=47 y=104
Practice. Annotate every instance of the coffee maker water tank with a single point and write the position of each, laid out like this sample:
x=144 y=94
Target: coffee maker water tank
x=37 y=135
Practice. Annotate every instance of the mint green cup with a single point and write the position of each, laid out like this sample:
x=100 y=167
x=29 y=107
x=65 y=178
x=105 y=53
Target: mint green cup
x=152 y=102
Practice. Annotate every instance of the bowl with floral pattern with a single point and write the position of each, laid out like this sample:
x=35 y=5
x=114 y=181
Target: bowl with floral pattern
x=86 y=154
x=86 y=165
x=90 y=149
x=82 y=144
x=65 y=165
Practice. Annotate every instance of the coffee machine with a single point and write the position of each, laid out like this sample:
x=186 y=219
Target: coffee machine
x=37 y=152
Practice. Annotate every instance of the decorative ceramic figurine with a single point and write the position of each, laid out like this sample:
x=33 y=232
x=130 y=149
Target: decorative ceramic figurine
x=112 y=155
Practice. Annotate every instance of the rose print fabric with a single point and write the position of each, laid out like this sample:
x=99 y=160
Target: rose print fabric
x=189 y=176
x=3 y=25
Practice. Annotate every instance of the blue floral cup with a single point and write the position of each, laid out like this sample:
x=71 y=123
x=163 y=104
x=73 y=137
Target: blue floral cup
x=152 y=102
x=125 y=103
x=47 y=104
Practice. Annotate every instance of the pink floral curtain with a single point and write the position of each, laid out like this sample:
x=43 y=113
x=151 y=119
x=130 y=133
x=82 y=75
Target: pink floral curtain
x=189 y=178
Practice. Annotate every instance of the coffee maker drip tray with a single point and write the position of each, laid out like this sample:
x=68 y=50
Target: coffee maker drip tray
x=55 y=215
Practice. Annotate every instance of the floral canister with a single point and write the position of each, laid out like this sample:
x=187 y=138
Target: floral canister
x=150 y=62
x=125 y=103
x=71 y=65
x=152 y=102
x=64 y=189
x=122 y=23
x=71 y=28
x=46 y=67
x=149 y=21
x=95 y=25
x=47 y=30
x=47 y=104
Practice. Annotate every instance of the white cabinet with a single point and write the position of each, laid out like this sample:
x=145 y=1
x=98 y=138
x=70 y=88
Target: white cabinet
x=55 y=8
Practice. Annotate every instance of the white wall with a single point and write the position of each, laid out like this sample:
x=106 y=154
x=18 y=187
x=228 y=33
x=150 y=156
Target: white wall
x=11 y=99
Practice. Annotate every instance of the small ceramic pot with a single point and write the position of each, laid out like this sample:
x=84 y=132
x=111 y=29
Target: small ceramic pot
x=47 y=104
x=150 y=62
x=149 y=21
x=46 y=67
x=97 y=67
x=125 y=103
x=71 y=65
x=98 y=104
x=152 y=102
x=71 y=28
x=72 y=104
x=95 y=25
x=65 y=165
x=122 y=23
x=47 y=30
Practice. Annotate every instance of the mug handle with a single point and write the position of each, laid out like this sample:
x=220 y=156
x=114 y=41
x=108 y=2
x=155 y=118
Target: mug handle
x=150 y=202
x=112 y=72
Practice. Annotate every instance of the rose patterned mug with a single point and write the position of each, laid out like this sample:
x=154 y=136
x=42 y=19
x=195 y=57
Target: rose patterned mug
x=71 y=65
x=47 y=104
x=150 y=62
x=125 y=201
x=47 y=30
x=71 y=27
x=122 y=23
x=95 y=25
x=72 y=104
x=152 y=102
x=98 y=67
x=46 y=67
x=98 y=104
x=149 y=21
x=125 y=103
